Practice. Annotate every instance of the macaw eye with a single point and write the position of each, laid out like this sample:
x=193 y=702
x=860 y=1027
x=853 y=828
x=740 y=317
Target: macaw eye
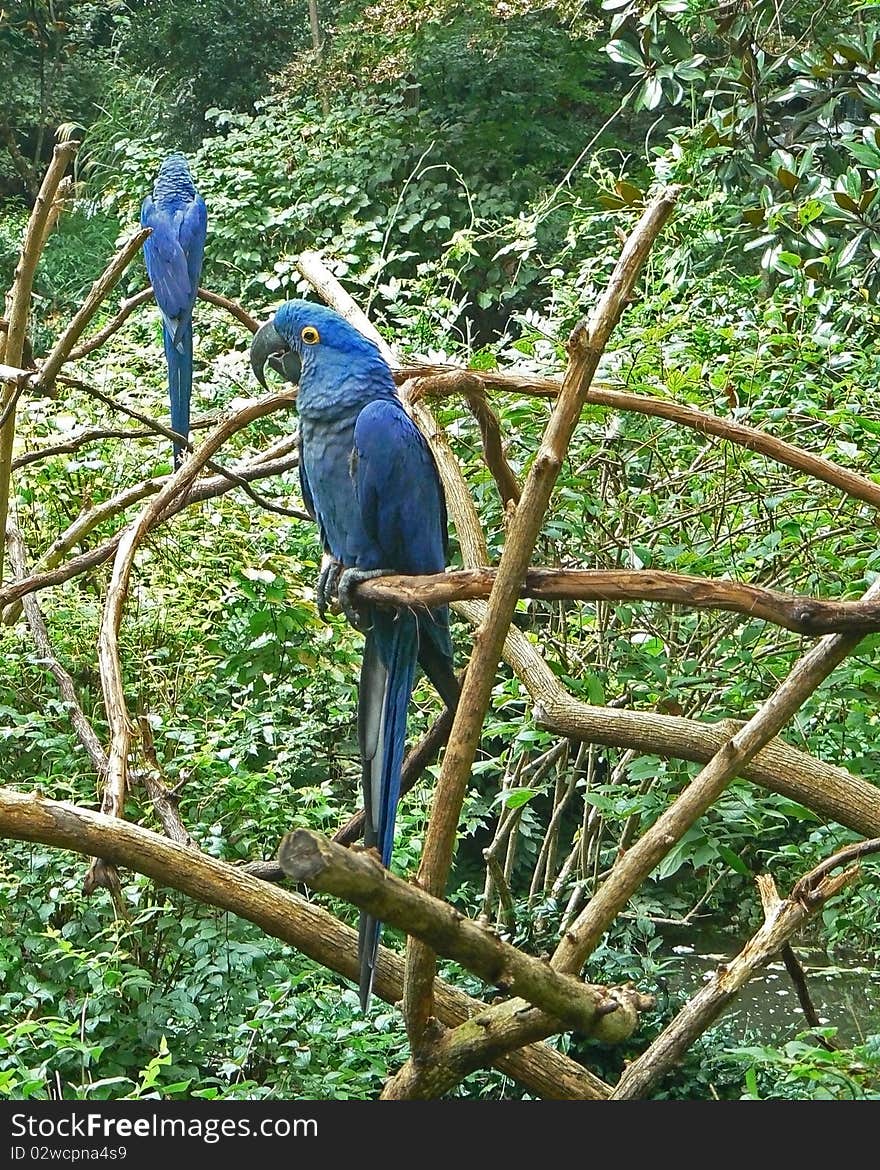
x=310 y=335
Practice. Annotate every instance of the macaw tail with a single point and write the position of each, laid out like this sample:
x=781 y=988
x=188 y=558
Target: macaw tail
x=179 y=359
x=386 y=683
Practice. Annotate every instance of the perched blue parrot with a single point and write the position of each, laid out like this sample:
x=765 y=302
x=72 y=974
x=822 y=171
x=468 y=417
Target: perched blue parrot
x=173 y=254
x=369 y=479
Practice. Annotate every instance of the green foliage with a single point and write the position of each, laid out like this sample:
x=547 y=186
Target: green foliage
x=804 y=1069
x=174 y=1003
x=73 y=60
x=458 y=185
x=223 y=53
x=792 y=125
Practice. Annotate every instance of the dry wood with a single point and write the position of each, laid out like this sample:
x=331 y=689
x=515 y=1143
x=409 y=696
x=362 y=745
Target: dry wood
x=61 y=351
x=513 y=1023
x=19 y=301
x=284 y=915
x=121 y=730
x=126 y=308
x=209 y=488
x=586 y=345
x=636 y=864
x=359 y=877
x=802 y=615
x=782 y=920
x=432 y=381
x=84 y=731
x=493 y=447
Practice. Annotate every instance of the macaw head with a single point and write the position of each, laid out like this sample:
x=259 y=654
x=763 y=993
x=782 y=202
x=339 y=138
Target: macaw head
x=303 y=336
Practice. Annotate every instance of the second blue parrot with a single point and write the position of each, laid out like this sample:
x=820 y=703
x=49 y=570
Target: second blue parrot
x=173 y=254
x=369 y=479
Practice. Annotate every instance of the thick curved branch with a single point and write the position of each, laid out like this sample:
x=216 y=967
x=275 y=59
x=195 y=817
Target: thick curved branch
x=63 y=347
x=278 y=912
x=509 y=487
x=359 y=877
x=436 y=381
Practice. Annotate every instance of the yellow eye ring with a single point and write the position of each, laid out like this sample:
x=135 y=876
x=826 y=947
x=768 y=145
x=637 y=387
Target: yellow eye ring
x=310 y=335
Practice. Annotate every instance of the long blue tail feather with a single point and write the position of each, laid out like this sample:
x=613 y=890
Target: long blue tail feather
x=179 y=360
x=386 y=683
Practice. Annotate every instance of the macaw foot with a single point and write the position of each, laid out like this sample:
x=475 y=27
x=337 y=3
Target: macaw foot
x=328 y=584
x=347 y=582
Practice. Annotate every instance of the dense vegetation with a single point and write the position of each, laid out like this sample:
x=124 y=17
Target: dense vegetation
x=466 y=171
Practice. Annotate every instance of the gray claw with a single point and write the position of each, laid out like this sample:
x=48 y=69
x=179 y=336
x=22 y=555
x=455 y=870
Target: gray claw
x=347 y=582
x=327 y=587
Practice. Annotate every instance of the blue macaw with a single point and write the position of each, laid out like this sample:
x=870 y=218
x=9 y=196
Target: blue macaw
x=369 y=480
x=173 y=254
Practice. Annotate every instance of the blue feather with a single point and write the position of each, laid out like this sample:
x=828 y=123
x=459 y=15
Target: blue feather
x=173 y=254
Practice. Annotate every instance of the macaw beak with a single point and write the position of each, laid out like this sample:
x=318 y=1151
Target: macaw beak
x=268 y=346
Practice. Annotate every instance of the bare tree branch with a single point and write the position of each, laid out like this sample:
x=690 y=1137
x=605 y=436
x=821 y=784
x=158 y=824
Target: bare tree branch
x=19 y=309
x=204 y=489
x=126 y=308
x=278 y=912
x=802 y=615
x=84 y=731
x=586 y=345
x=360 y=877
x=434 y=381
x=106 y=281
x=108 y=648
x=782 y=920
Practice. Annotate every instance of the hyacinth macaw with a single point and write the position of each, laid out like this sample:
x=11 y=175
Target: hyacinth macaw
x=369 y=480
x=173 y=254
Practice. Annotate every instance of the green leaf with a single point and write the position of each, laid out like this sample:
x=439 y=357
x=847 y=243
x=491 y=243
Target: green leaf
x=652 y=93
x=734 y=861
x=847 y=255
x=866 y=154
x=624 y=53
x=520 y=797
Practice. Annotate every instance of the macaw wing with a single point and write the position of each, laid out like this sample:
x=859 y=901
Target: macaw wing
x=193 y=229
x=398 y=490
x=167 y=268
x=308 y=498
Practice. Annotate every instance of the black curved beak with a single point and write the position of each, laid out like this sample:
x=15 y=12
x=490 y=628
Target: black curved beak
x=268 y=346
